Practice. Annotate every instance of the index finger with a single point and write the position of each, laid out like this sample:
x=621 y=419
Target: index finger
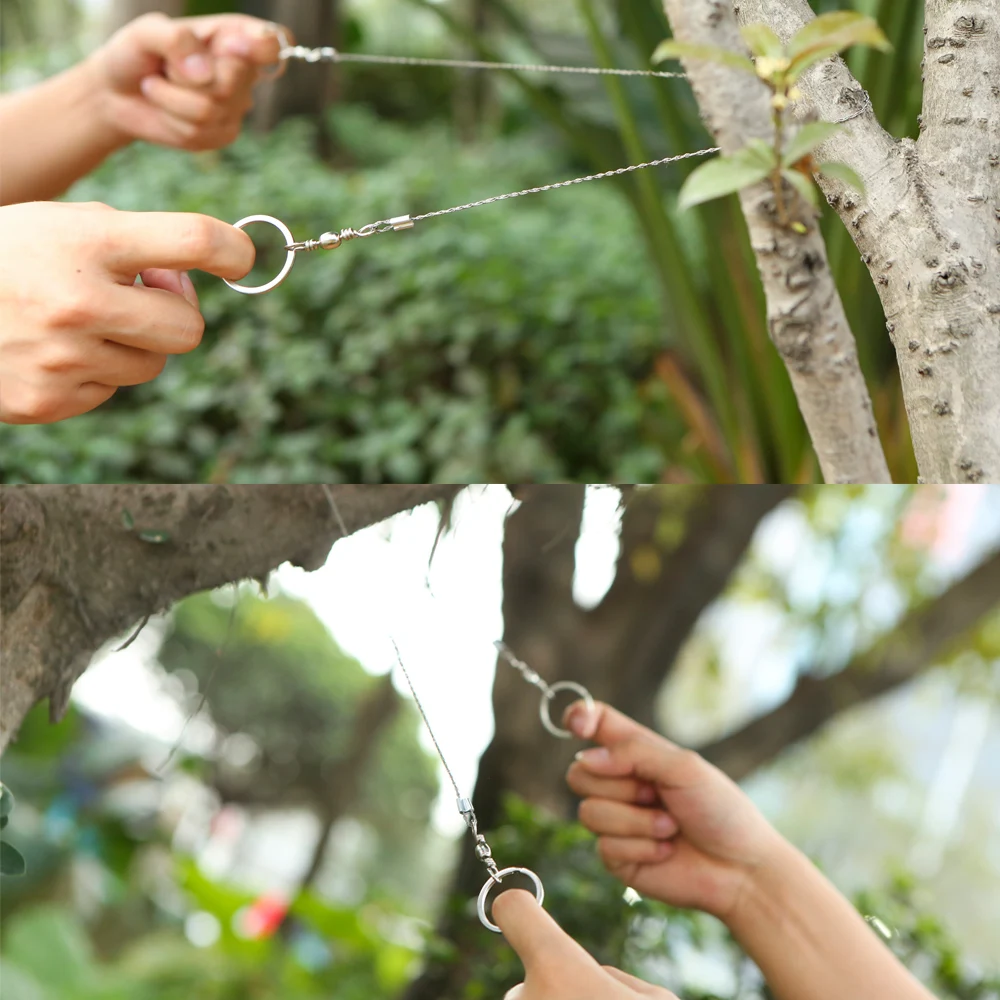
x=539 y=941
x=178 y=241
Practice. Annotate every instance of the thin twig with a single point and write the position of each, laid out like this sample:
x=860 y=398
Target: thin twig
x=208 y=683
x=335 y=509
x=135 y=635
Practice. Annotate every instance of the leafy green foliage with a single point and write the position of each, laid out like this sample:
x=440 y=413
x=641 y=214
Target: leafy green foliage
x=270 y=671
x=11 y=860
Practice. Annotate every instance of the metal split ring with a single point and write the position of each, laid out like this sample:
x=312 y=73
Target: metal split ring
x=272 y=72
x=289 y=256
x=550 y=693
x=500 y=875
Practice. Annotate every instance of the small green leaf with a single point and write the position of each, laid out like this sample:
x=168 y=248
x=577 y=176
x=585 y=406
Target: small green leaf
x=723 y=176
x=836 y=27
x=800 y=227
x=763 y=41
x=807 y=139
x=128 y=521
x=671 y=49
x=11 y=860
x=756 y=150
x=830 y=34
x=6 y=801
x=804 y=186
x=842 y=172
x=154 y=537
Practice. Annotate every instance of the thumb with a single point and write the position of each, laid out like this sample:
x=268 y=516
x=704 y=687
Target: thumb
x=539 y=941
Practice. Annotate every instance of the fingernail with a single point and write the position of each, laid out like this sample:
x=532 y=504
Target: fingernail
x=146 y=85
x=595 y=756
x=663 y=825
x=198 y=68
x=664 y=847
x=237 y=45
x=582 y=721
x=189 y=290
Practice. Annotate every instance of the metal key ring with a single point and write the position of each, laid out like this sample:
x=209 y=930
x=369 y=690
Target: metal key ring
x=289 y=257
x=272 y=72
x=500 y=875
x=547 y=696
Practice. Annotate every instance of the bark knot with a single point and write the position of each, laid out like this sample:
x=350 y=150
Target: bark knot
x=970 y=25
x=947 y=280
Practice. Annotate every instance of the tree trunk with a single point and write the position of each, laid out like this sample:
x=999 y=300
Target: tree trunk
x=79 y=564
x=928 y=226
x=305 y=88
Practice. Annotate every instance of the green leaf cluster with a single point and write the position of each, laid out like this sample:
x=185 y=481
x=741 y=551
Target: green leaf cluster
x=779 y=66
x=777 y=63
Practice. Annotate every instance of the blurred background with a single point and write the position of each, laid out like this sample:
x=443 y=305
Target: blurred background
x=242 y=801
x=590 y=334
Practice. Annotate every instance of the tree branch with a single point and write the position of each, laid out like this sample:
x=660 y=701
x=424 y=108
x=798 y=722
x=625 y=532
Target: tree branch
x=648 y=619
x=694 y=575
x=960 y=126
x=910 y=648
x=806 y=318
x=927 y=226
x=75 y=574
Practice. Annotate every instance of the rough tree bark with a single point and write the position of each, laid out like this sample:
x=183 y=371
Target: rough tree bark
x=913 y=646
x=805 y=315
x=621 y=650
x=73 y=576
x=928 y=226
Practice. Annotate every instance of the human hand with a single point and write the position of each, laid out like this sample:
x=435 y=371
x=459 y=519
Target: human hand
x=74 y=325
x=670 y=825
x=555 y=966
x=184 y=82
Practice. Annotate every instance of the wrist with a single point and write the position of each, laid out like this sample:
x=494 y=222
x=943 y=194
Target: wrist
x=763 y=897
